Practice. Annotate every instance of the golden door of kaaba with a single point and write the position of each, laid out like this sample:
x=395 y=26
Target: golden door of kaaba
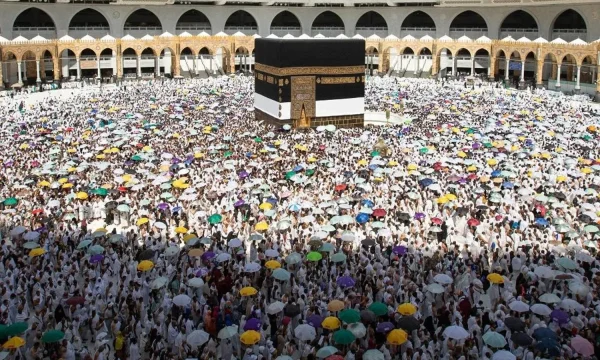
x=303 y=100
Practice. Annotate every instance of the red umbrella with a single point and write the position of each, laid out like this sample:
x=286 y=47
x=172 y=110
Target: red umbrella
x=473 y=222
x=139 y=145
x=335 y=357
x=122 y=189
x=76 y=300
x=379 y=213
x=436 y=221
x=341 y=187
x=472 y=176
x=541 y=209
x=437 y=166
x=37 y=211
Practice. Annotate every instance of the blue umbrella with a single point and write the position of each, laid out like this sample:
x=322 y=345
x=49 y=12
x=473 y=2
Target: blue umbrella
x=543 y=333
x=425 y=182
x=367 y=203
x=373 y=166
x=495 y=173
x=385 y=327
x=294 y=207
x=348 y=174
x=549 y=346
x=272 y=200
x=508 y=185
x=541 y=222
x=298 y=168
x=362 y=218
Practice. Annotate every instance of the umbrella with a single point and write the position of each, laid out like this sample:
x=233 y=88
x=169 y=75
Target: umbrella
x=373 y=354
x=14 y=343
x=407 y=309
x=275 y=307
x=215 y=219
x=315 y=320
x=514 y=324
x=358 y=330
x=331 y=323
x=559 y=316
x=541 y=309
x=305 y=332
x=197 y=338
x=494 y=339
x=291 y=310
x=582 y=346
x=549 y=346
x=503 y=355
x=549 y=298
x=378 y=308
x=76 y=300
x=16 y=328
x=326 y=351
x=52 y=336
x=182 y=300
x=252 y=324
x=335 y=305
x=228 y=332
x=456 y=332
x=397 y=337
x=281 y=274
x=248 y=291
x=521 y=339
x=250 y=337
x=349 y=316
x=543 y=333
x=518 y=306
x=343 y=337
x=408 y=323
x=345 y=281
x=384 y=327
x=145 y=265
x=442 y=279
x=314 y=256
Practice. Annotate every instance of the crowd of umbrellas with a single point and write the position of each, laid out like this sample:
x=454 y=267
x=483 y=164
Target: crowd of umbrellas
x=159 y=220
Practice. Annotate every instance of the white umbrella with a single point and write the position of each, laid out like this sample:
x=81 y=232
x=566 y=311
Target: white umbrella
x=272 y=253
x=222 y=257
x=435 y=288
x=196 y=282
x=228 y=332
x=456 y=332
x=252 y=267
x=442 y=279
x=358 y=330
x=305 y=332
x=18 y=230
x=541 y=309
x=182 y=300
x=373 y=354
x=197 y=338
x=570 y=304
x=577 y=287
x=348 y=236
x=544 y=272
x=518 y=306
x=275 y=307
x=549 y=298
x=503 y=355
x=31 y=236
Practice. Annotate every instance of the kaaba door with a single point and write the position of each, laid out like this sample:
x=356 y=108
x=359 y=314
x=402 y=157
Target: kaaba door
x=303 y=106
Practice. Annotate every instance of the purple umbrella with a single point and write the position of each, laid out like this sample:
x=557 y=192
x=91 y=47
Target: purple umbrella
x=239 y=203
x=345 y=281
x=209 y=255
x=163 y=206
x=399 y=250
x=252 y=324
x=202 y=272
x=385 y=327
x=94 y=259
x=175 y=160
x=314 y=321
x=243 y=174
x=419 y=216
x=129 y=163
x=559 y=316
x=476 y=145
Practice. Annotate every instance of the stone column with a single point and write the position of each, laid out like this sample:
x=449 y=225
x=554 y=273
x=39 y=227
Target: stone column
x=1 y=75
x=99 y=71
x=558 y=65
x=56 y=68
x=380 y=62
x=119 y=61
x=522 y=77
x=472 y=65
x=507 y=65
x=20 y=72
x=416 y=57
x=577 y=83
x=492 y=68
x=538 y=74
x=454 y=66
x=597 y=76
x=138 y=64
x=177 y=70
x=156 y=67
x=37 y=71
x=78 y=67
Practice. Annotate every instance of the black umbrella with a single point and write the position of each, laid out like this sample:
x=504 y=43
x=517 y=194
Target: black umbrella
x=404 y=217
x=368 y=316
x=514 y=324
x=146 y=255
x=291 y=310
x=521 y=339
x=584 y=218
x=462 y=211
x=408 y=323
x=560 y=196
x=111 y=205
x=368 y=242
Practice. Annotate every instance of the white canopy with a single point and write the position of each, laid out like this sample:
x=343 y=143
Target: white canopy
x=166 y=34
x=426 y=38
x=464 y=38
x=66 y=38
x=185 y=34
x=238 y=34
x=523 y=39
x=409 y=38
x=558 y=41
x=204 y=34
x=445 y=38
x=89 y=38
x=147 y=37
x=272 y=36
x=107 y=38
x=578 y=41
x=288 y=36
x=20 y=39
x=303 y=36
x=484 y=39
x=127 y=37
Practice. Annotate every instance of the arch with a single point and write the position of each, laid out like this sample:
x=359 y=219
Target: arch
x=148 y=52
x=47 y=54
x=9 y=56
x=530 y=56
x=142 y=18
x=519 y=20
x=242 y=51
x=87 y=53
x=106 y=52
x=34 y=18
x=241 y=20
x=482 y=52
x=371 y=19
x=28 y=55
x=130 y=52
x=448 y=51
x=425 y=50
x=464 y=52
x=416 y=20
x=204 y=51
x=187 y=51
x=468 y=20
x=588 y=70
x=407 y=51
x=88 y=18
x=328 y=21
x=371 y=50
x=285 y=21
x=569 y=19
x=193 y=20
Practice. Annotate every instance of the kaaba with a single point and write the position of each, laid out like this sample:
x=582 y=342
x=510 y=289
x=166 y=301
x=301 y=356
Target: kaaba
x=310 y=83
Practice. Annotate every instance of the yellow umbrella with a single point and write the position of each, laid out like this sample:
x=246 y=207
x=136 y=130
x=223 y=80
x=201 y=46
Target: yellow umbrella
x=561 y=178
x=82 y=195
x=14 y=343
x=546 y=156
x=515 y=148
x=272 y=264
x=472 y=168
x=195 y=252
x=142 y=221
x=492 y=162
x=362 y=162
x=101 y=156
x=104 y=230
x=198 y=155
x=67 y=186
x=127 y=177
x=43 y=183
x=24 y=146
x=180 y=230
x=442 y=200
x=397 y=337
x=335 y=305
x=312 y=159
x=407 y=309
x=392 y=163
x=261 y=226
x=146 y=148
x=62 y=180
x=331 y=323
x=484 y=179
x=451 y=197
x=145 y=265
x=412 y=167
x=495 y=278
x=106 y=151
x=250 y=337
x=72 y=169
x=187 y=237
x=586 y=170
x=462 y=154
x=248 y=291
x=266 y=206
x=180 y=185
x=36 y=252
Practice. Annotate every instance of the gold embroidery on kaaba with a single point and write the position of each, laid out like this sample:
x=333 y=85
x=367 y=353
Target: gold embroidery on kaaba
x=280 y=82
x=338 y=80
x=310 y=70
x=303 y=93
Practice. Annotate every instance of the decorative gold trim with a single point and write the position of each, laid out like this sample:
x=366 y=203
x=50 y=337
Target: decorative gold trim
x=303 y=93
x=338 y=80
x=266 y=78
x=310 y=70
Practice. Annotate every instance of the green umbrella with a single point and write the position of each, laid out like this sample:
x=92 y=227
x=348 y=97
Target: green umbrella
x=349 y=316
x=338 y=258
x=228 y=153
x=136 y=158
x=257 y=139
x=17 y=328
x=99 y=191
x=3 y=333
x=378 y=308
x=31 y=245
x=326 y=351
x=310 y=172
x=95 y=250
x=52 y=336
x=343 y=337
x=215 y=219
x=314 y=256
x=587 y=138
x=375 y=153
x=11 y=201
x=165 y=186
x=590 y=229
x=84 y=244
x=423 y=150
x=289 y=174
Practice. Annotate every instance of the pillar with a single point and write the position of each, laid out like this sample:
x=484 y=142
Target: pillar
x=416 y=57
x=472 y=65
x=1 y=75
x=577 y=83
x=157 y=67
x=597 y=98
x=195 y=57
x=20 y=71
x=78 y=66
x=56 y=68
x=231 y=69
x=177 y=70
x=37 y=71
x=98 y=68
x=380 y=62
x=119 y=61
x=558 y=66
x=507 y=65
x=522 y=77
x=138 y=65
x=493 y=67
x=538 y=74
x=434 y=66
x=454 y=66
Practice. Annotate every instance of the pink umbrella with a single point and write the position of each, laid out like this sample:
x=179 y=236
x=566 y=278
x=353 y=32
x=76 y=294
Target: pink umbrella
x=582 y=346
